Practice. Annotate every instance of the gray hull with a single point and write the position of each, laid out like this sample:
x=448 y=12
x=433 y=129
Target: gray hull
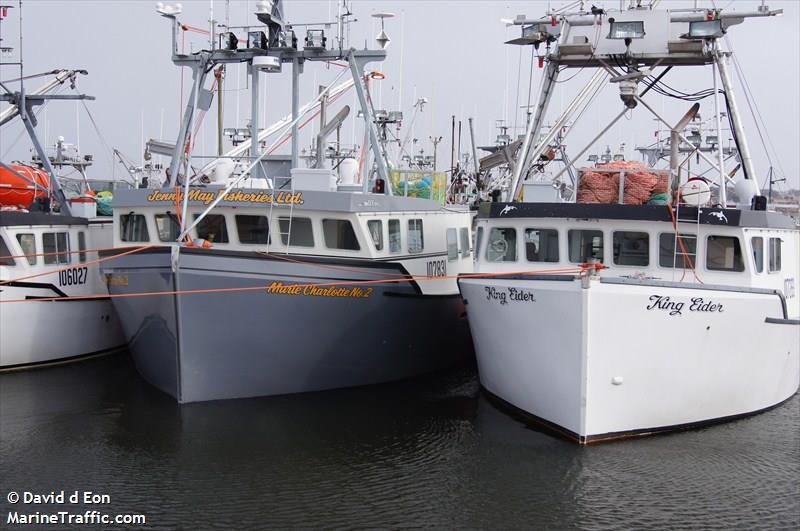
x=213 y=346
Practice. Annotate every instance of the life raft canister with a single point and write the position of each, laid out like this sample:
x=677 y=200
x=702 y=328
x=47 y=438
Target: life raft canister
x=16 y=191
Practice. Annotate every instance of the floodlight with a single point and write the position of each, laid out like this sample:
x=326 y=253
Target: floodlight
x=256 y=40
x=704 y=29
x=315 y=39
x=287 y=40
x=626 y=29
x=228 y=41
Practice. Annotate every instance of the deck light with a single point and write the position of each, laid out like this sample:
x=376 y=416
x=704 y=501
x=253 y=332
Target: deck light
x=704 y=29
x=287 y=40
x=256 y=40
x=536 y=34
x=228 y=41
x=315 y=39
x=626 y=29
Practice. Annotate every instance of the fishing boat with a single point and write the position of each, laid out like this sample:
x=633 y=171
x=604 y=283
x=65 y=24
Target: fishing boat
x=260 y=277
x=641 y=299
x=54 y=304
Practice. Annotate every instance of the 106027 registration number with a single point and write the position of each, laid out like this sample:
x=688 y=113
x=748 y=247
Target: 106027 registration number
x=73 y=277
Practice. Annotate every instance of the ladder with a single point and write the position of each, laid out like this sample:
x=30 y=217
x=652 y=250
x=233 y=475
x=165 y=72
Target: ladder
x=287 y=235
x=688 y=256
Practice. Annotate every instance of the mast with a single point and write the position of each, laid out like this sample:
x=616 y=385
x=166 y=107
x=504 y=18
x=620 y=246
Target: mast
x=24 y=104
x=721 y=59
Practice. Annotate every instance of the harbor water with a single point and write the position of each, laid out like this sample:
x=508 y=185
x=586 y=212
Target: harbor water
x=430 y=452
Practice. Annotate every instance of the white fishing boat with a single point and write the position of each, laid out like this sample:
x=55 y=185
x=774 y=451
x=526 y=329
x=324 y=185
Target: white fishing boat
x=660 y=305
x=54 y=303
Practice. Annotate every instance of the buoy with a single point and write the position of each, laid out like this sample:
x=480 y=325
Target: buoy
x=695 y=192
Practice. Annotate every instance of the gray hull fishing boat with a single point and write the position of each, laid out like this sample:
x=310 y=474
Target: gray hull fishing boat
x=226 y=291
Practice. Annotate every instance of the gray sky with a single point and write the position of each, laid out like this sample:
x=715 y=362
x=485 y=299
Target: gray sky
x=450 y=52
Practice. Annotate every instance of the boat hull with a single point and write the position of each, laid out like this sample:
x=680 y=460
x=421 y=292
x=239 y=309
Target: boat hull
x=604 y=360
x=271 y=338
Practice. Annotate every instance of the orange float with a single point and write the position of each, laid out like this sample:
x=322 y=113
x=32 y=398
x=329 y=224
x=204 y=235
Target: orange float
x=17 y=192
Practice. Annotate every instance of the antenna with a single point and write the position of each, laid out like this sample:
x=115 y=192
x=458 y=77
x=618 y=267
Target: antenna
x=383 y=39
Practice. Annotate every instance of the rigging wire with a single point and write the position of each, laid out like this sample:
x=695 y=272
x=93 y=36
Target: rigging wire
x=36 y=113
x=757 y=117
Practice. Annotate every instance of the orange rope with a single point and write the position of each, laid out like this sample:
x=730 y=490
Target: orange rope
x=576 y=270
x=568 y=270
x=60 y=252
x=680 y=242
x=82 y=264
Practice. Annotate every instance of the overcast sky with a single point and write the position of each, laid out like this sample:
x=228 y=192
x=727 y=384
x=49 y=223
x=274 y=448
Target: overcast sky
x=450 y=52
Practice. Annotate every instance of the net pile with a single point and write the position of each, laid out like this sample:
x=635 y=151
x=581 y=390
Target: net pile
x=600 y=184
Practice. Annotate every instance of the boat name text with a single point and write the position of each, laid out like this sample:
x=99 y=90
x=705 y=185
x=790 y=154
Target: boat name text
x=238 y=196
x=696 y=304
x=309 y=290
x=504 y=296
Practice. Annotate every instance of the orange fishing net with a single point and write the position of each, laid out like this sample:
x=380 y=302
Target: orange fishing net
x=600 y=184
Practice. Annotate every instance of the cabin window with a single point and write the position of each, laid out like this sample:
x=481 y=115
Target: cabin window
x=5 y=254
x=339 y=234
x=631 y=248
x=56 y=247
x=502 y=246
x=775 y=255
x=133 y=228
x=478 y=240
x=723 y=253
x=686 y=254
x=757 y=243
x=212 y=228
x=395 y=239
x=28 y=244
x=81 y=246
x=541 y=245
x=252 y=229
x=375 y=227
x=416 y=240
x=452 y=244
x=167 y=227
x=465 y=250
x=585 y=245
x=302 y=234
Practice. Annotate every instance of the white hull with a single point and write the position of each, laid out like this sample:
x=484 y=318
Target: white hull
x=61 y=327
x=52 y=331
x=597 y=364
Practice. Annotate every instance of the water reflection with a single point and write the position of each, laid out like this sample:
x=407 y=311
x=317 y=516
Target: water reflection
x=431 y=452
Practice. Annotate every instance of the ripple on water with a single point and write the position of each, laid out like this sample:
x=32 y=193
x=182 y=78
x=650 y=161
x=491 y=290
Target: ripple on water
x=429 y=452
